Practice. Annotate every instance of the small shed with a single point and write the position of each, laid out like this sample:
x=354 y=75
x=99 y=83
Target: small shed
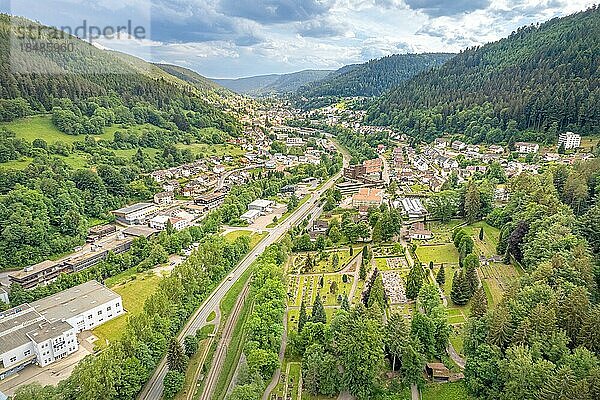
x=438 y=372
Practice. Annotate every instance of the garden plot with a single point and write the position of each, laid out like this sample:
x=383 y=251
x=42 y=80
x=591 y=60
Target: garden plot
x=306 y=288
x=496 y=279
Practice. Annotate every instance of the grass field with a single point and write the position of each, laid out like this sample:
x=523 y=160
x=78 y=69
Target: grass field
x=134 y=290
x=41 y=126
x=207 y=150
x=446 y=391
x=491 y=235
x=496 y=279
x=442 y=253
x=255 y=238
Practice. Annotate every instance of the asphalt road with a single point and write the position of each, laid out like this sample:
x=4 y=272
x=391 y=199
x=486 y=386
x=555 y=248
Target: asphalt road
x=154 y=387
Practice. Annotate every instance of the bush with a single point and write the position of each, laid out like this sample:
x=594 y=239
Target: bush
x=172 y=384
x=190 y=344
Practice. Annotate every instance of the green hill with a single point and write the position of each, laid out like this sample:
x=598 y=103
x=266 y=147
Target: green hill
x=32 y=81
x=374 y=77
x=273 y=84
x=542 y=78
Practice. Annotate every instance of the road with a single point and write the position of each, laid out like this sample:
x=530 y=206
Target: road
x=154 y=387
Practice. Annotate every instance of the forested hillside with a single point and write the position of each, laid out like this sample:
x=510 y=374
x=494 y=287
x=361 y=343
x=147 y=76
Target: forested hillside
x=87 y=72
x=374 y=77
x=543 y=78
x=274 y=84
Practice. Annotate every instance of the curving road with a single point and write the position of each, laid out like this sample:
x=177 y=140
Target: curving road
x=154 y=387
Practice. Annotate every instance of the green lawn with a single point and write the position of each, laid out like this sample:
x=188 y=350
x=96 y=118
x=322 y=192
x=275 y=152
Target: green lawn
x=442 y=253
x=207 y=150
x=41 y=126
x=446 y=391
x=255 y=238
x=134 y=290
x=496 y=279
x=491 y=235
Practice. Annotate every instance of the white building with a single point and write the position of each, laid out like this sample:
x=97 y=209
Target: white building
x=263 y=206
x=46 y=330
x=137 y=213
x=294 y=142
x=4 y=295
x=164 y=198
x=160 y=222
x=250 y=216
x=569 y=140
x=525 y=148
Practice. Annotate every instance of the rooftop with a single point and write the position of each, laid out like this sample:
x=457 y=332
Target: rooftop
x=34 y=269
x=133 y=208
x=74 y=301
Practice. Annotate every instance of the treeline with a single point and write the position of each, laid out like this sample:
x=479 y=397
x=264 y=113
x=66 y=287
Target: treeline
x=541 y=80
x=541 y=341
x=144 y=254
x=87 y=72
x=46 y=209
x=373 y=77
x=264 y=326
x=361 y=147
x=119 y=371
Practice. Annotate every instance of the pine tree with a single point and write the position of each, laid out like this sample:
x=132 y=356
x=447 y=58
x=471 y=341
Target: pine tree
x=471 y=264
x=478 y=303
x=176 y=358
x=377 y=294
x=345 y=303
x=302 y=318
x=318 y=311
x=414 y=281
x=362 y=273
x=481 y=233
x=441 y=276
x=459 y=293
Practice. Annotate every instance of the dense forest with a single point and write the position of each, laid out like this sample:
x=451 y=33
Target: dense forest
x=373 y=77
x=30 y=82
x=542 y=78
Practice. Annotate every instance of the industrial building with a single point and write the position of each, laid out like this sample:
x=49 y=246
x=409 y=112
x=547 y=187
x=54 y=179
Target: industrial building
x=138 y=213
x=46 y=330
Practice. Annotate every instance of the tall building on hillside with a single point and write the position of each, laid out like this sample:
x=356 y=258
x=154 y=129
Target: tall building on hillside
x=569 y=140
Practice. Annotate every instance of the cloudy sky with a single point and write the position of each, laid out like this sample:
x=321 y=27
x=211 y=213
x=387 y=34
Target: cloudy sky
x=234 y=38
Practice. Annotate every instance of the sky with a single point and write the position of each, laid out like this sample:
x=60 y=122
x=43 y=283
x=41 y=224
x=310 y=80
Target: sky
x=236 y=38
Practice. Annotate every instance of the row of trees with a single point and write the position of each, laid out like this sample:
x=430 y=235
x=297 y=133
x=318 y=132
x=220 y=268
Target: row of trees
x=264 y=326
x=121 y=369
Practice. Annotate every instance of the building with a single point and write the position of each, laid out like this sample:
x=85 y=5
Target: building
x=569 y=140
x=100 y=231
x=294 y=142
x=210 y=201
x=418 y=231
x=164 y=198
x=4 y=295
x=138 y=213
x=46 y=330
x=458 y=145
x=373 y=166
x=413 y=207
x=367 y=197
x=438 y=372
x=160 y=222
x=263 y=206
x=526 y=148
x=96 y=253
x=38 y=274
x=441 y=143
x=250 y=216
x=355 y=171
x=495 y=149
x=218 y=169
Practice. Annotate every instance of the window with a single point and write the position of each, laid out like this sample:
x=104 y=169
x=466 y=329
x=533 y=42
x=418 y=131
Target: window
x=108 y=308
x=26 y=353
x=13 y=359
x=118 y=305
x=90 y=316
x=100 y=312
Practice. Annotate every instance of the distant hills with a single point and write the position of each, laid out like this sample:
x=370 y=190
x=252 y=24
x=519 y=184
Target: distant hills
x=273 y=84
x=542 y=78
x=373 y=77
